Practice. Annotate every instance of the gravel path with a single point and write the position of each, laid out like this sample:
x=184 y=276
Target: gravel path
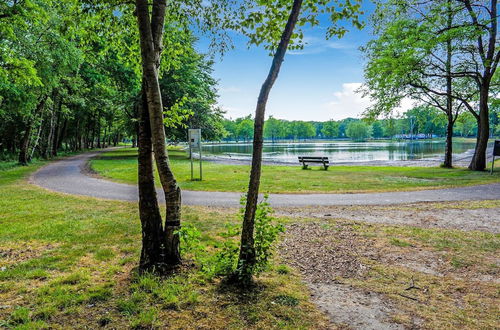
x=68 y=176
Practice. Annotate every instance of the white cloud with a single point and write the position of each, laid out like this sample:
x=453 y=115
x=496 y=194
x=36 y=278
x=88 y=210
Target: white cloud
x=348 y=103
x=233 y=112
x=314 y=45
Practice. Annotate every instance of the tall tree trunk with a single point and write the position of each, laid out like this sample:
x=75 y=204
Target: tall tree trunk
x=151 y=36
x=490 y=57
x=55 y=142
x=37 y=139
x=24 y=148
x=50 y=137
x=99 y=130
x=448 y=157
x=149 y=212
x=62 y=134
x=246 y=260
x=478 y=162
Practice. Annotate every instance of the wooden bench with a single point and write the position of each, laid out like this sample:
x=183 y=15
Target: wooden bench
x=318 y=160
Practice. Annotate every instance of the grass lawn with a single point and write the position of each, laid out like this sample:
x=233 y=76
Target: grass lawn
x=67 y=262
x=121 y=166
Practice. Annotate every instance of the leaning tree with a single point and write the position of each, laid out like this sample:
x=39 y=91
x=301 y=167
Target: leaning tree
x=273 y=23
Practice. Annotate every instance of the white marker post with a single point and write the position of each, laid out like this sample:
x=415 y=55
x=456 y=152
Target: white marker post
x=194 y=135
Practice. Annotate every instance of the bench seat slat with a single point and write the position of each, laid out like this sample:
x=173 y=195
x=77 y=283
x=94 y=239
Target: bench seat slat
x=320 y=160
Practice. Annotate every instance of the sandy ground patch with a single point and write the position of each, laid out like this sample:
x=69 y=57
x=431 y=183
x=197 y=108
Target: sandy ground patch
x=426 y=215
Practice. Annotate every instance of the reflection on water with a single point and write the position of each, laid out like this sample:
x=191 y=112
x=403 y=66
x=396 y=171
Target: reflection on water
x=341 y=151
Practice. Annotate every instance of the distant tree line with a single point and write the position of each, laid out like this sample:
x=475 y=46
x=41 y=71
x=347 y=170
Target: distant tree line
x=422 y=121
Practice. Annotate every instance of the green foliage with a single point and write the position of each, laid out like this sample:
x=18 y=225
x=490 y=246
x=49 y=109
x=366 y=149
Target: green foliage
x=358 y=130
x=190 y=238
x=263 y=21
x=70 y=75
x=426 y=120
x=377 y=130
x=266 y=234
x=224 y=261
x=330 y=129
x=274 y=128
x=244 y=129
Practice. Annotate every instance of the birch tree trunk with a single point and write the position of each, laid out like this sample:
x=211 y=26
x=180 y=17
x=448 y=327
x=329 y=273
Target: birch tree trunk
x=151 y=37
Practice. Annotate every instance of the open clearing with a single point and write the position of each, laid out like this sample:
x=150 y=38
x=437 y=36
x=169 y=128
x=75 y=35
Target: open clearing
x=121 y=166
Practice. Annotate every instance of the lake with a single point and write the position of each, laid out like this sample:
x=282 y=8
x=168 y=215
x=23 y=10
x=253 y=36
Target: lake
x=340 y=151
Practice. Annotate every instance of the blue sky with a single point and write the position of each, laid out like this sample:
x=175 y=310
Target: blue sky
x=316 y=83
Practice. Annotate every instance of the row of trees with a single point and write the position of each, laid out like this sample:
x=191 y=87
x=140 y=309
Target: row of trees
x=421 y=120
x=69 y=80
x=442 y=53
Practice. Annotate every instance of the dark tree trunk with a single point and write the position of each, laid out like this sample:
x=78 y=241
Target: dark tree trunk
x=99 y=131
x=478 y=162
x=448 y=156
x=151 y=36
x=149 y=212
x=246 y=260
x=62 y=134
x=23 y=150
x=55 y=142
x=490 y=57
x=25 y=142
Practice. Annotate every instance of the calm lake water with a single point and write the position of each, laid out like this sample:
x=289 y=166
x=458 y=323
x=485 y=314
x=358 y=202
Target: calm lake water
x=341 y=151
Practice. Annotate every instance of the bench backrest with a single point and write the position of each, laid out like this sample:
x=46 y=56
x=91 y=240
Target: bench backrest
x=313 y=159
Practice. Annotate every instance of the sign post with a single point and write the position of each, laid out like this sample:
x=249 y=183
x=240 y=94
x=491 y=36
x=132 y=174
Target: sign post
x=496 y=152
x=194 y=136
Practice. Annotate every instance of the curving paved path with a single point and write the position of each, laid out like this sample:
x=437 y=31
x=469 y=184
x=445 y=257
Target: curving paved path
x=67 y=176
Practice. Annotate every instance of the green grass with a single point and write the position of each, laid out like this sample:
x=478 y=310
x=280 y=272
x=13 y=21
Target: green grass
x=121 y=166
x=68 y=262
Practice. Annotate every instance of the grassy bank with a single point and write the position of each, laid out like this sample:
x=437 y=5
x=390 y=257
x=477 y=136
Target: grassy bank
x=68 y=262
x=121 y=166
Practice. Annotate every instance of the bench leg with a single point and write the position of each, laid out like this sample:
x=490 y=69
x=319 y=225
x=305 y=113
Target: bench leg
x=304 y=166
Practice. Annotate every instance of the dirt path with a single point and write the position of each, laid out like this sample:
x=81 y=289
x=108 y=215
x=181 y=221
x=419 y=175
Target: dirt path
x=451 y=215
